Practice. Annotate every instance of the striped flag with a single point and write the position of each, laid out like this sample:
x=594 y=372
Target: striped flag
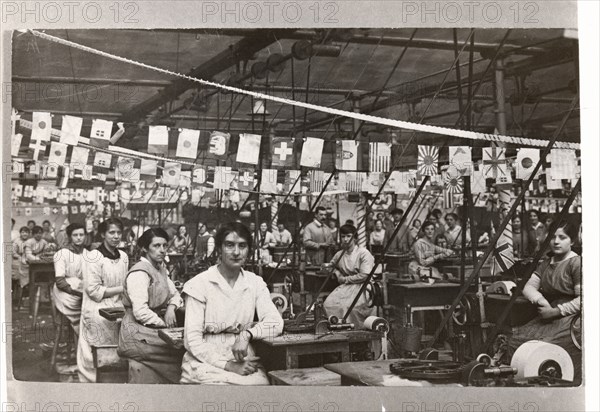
x=312 y=150
x=317 y=181
x=354 y=181
x=503 y=252
x=70 y=130
x=564 y=164
x=380 y=155
x=101 y=165
x=148 y=171
x=158 y=139
x=268 y=181
x=453 y=184
x=274 y=215
x=63 y=176
x=361 y=222
x=346 y=154
x=427 y=160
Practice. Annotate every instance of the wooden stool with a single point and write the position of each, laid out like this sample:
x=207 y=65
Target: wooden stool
x=58 y=333
x=37 y=299
x=110 y=367
x=305 y=377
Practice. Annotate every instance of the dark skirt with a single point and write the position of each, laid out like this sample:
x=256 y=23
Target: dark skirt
x=557 y=331
x=143 y=344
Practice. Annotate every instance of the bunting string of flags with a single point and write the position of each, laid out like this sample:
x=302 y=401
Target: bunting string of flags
x=465 y=134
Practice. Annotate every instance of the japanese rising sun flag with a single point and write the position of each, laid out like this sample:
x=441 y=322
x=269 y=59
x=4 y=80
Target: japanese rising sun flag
x=427 y=161
x=526 y=162
x=187 y=144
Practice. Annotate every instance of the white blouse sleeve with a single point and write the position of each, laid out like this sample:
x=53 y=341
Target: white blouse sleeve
x=270 y=322
x=193 y=336
x=137 y=289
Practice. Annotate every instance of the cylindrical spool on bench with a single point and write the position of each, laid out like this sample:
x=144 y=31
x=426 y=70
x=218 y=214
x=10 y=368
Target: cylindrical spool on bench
x=536 y=358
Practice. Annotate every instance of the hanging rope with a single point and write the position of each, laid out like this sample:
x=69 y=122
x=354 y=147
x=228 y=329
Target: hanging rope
x=358 y=116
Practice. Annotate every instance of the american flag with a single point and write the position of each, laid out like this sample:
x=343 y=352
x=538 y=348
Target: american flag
x=317 y=181
x=354 y=181
x=380 y=155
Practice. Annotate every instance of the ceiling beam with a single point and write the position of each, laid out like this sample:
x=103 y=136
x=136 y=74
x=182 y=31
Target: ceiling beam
x=242 y=50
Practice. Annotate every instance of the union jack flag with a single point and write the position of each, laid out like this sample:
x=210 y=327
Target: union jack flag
x=494 y=162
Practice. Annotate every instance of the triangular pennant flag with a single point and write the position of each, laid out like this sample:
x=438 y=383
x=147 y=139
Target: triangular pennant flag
x=79 y=157
x=346 y=154
x=248 y=149
x=268 y=181
x=58 y=154
x=70 y=130
x=427 y=160
x=187 y=144
x=219 y=143
x=224 y=177
x=526 y=162
x=283 y=152
x=460 y=158
x=158 y=139
x=312 y=150
x=171 y=173
x=380 y=155
x=494 y=162
x=148 y=170
x=100 y=133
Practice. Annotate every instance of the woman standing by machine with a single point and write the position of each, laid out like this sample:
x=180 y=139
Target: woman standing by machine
x=221 y=304
x=102 y=286
x=555 y=288
x=353 y=265
x=69 y=264
x=150 y=300
x=427 y=253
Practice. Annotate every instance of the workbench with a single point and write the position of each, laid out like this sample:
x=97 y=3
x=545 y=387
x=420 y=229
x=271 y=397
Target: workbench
x=286 y=351
x=375 y=373
x=421 y=296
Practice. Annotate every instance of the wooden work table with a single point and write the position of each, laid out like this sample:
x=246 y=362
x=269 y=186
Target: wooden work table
x=284 y=351
x=374 y=373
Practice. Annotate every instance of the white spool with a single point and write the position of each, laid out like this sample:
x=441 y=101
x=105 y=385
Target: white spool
x=279 y=301
x=532 y=354
x=376 y=323
x=501 y=287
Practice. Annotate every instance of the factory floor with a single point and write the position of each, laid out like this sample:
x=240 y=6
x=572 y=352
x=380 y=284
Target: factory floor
x=32 y=344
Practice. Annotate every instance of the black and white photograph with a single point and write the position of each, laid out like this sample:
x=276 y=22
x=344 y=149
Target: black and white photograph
x=308 y=205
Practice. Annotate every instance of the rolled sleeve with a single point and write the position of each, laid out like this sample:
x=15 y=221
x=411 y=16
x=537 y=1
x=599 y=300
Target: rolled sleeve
x=137 y=290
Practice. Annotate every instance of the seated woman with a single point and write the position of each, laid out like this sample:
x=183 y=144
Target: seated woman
x=555 y=287
x=102 y=286
x=379 y=236
x=427 y=253
x=150 y=300
x=69 y=265
x=181 y=241
x=266 y=241
x=221 y=304
x=353 y=265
